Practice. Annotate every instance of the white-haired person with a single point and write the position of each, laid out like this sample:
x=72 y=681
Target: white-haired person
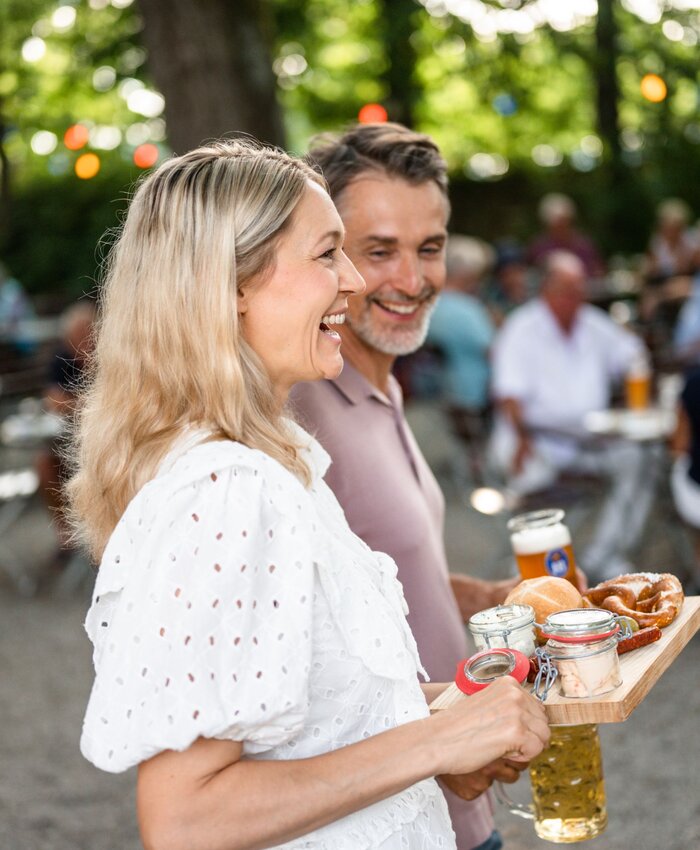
x=251 y=654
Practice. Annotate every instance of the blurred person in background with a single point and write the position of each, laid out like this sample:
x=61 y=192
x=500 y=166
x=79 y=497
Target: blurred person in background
x=686 y=333
x=15 y=308
x=674 y=247
x=461 y=327
x=557 y=213
x=461 y=332
x=555 y=360
x=67 y=371
x=390 y=186
x=510 y=284
x=685 y=472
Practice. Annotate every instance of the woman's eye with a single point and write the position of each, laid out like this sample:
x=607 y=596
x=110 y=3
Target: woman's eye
x=329 y=254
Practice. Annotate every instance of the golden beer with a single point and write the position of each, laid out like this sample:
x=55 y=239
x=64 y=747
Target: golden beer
x=542 y=545
x=568 y=790
x=637 y=390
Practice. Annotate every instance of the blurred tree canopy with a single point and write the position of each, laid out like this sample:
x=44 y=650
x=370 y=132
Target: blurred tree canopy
x=597 y=99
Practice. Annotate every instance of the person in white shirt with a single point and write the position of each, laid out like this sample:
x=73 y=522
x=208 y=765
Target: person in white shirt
x=555 y=360
x=251 y=654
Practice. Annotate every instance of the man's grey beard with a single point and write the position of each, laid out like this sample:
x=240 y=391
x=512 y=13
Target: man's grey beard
x=396 y=342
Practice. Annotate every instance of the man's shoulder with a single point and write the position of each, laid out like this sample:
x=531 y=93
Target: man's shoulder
x=523 y=318
x=595 y=318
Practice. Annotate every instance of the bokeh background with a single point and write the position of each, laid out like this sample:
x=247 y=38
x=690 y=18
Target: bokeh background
x=523 y=96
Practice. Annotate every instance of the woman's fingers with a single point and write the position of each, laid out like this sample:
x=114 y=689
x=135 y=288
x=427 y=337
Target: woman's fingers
x=503 y=720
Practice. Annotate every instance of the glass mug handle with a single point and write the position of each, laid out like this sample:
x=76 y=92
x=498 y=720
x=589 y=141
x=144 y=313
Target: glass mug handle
x=522 y=810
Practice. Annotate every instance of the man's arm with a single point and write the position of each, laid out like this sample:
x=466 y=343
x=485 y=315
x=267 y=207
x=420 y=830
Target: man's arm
x=475 y=594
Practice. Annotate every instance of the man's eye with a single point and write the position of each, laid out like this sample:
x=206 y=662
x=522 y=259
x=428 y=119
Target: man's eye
x=431 y=250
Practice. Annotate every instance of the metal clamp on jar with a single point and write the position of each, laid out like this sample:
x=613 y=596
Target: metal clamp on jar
x=582 y=642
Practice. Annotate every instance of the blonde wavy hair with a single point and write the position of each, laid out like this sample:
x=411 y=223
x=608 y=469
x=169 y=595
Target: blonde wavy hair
x=169 y=352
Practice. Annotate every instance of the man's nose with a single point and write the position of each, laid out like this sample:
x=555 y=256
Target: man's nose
x=410 y=275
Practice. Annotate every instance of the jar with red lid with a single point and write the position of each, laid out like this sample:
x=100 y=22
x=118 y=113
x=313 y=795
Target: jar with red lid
x=582 y=643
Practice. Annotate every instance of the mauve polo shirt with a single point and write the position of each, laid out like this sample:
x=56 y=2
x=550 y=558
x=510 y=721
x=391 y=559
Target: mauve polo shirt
x=393 y=502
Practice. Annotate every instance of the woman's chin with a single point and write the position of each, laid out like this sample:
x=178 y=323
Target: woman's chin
x=333 y=369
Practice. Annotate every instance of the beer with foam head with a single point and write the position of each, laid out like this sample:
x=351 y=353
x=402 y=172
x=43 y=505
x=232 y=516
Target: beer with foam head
x=638 y=385
x=542 y=545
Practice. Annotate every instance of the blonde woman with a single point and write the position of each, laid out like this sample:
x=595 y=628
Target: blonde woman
x=251 y=654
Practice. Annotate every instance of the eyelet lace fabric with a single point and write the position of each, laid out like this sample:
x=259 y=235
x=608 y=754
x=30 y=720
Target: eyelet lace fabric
x=234 y=603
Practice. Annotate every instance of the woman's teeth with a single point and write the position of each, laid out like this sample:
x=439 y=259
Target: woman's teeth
x=337 y=319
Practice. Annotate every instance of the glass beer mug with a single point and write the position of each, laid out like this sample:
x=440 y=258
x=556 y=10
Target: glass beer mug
x=638 y=385
x=568 y=790
x=542 y=544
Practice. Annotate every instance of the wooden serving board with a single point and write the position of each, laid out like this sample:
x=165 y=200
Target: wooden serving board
x=640 y=669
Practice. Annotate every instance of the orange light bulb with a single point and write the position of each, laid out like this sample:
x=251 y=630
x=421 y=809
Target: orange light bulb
x=146 y=155
x=87 y=165
x=372 y=113
x=653 y=88
x=76 y=137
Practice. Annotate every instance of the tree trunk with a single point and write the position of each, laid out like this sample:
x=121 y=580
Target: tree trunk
x=401 y=72
x=211 y=61
x=607 y=87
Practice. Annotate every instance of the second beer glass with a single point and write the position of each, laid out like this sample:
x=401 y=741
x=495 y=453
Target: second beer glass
x=542 y=544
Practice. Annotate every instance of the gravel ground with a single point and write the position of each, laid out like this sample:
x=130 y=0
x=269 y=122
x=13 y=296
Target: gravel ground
x=51 y=799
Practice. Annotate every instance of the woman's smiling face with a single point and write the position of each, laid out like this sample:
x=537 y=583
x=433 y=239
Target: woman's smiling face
x=288 y=318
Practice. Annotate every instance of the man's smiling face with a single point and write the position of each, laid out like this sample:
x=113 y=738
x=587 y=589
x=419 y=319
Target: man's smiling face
x=395 y=235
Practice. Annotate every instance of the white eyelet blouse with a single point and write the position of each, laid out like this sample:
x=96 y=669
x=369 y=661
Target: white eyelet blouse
x=233 y=603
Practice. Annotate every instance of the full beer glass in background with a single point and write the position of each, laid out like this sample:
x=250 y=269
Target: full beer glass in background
x=638 y=385
x=542 y=544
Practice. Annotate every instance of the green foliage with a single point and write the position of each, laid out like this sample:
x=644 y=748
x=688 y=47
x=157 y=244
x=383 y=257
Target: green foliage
x=515 y=114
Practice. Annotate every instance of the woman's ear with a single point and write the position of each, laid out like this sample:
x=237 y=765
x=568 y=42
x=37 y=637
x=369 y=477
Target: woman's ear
x=242 y=301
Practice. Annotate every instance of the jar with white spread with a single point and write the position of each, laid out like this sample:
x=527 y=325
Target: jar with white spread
x=505 y=626
x=582 y=642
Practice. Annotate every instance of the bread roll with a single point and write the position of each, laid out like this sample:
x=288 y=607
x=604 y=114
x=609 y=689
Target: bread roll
x=546 y=595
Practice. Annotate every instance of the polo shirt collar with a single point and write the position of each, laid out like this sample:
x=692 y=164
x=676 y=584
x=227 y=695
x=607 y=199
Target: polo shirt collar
x=356 y=388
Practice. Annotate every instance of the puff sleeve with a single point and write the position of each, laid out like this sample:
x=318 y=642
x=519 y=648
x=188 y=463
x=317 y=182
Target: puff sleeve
x=201 y=621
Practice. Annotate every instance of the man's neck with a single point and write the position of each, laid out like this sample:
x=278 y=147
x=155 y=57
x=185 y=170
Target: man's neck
x=374 y=365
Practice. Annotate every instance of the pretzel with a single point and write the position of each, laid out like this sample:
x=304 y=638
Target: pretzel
x=652 y=599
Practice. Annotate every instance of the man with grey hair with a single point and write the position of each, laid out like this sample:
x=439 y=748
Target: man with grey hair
x=556 y=360
x=390 y=187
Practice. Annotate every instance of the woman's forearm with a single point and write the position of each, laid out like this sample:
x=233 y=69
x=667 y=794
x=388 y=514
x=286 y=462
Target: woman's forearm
x=256 y=803
x=208 y=798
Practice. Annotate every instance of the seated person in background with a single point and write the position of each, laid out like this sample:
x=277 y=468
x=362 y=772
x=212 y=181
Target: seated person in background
x=555 y=359
x=67 y=369
x=558 y=214
x=461 y=328
x=15 y=307
x=686 y=333
x=674 y=249
x=685 y=445
x=510 y=285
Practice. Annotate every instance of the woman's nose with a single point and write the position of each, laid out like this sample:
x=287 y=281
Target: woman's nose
x=350 y=279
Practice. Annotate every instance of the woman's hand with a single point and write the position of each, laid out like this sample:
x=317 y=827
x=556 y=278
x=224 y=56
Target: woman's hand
x=502 y=721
